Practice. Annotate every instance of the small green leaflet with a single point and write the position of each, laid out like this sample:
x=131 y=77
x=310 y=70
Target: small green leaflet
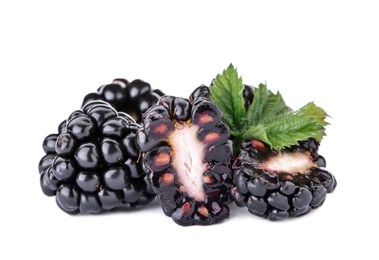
x=266 y=106
x=268 y=118
x=285 y=131
x=226 y=92
x=314 y=111
x=273 y=122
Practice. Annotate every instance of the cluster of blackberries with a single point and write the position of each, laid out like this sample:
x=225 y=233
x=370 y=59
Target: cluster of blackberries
x=129 y=144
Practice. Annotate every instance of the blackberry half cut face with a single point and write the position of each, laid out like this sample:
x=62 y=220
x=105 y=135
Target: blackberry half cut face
x=133 y=98
x=280 y=184
x=93 y=165
x=187 y=153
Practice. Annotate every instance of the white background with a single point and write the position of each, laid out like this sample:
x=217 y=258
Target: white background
x=54 y=52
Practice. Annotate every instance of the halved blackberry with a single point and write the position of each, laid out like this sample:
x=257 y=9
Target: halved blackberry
x=93 y=164
x=280 y=184
x=133 y=98
x=187 y=153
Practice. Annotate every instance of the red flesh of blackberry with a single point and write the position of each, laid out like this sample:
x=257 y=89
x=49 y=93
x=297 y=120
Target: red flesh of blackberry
x=133 y=98
x=277 y=185
x=187 y=154
x=92 y=164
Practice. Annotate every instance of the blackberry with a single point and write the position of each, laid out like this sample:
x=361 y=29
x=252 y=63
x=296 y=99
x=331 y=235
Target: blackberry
x=133 y=98
x=247 y=94
x=92 y=164
x=186 y=153
x=280 y=184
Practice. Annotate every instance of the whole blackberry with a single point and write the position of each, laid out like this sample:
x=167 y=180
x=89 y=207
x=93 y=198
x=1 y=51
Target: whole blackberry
x=92 y=164
x=133 y=98
x=187 y=153
x=280 y=184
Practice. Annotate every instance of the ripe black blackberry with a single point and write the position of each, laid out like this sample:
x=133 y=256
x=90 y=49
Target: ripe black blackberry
x=187 y=153
x=92 y=164
x=280 y=184
x=133 y=98
x=203 y=91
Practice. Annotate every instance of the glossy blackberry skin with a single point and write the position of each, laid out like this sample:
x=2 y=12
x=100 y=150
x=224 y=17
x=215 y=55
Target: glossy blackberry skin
x=277 y=196
x=133 y=98
x=153 y=140
x=92 y=164
x=247 y=94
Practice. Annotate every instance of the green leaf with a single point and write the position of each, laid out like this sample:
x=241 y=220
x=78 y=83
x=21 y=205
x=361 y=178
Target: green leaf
x=314 y=111
x=226 y=93
x=290 y=129
x=266 y=106
x=286 y=130
x=257 y=132
x=255 y=111
x=268 y=118
x=275 y=107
